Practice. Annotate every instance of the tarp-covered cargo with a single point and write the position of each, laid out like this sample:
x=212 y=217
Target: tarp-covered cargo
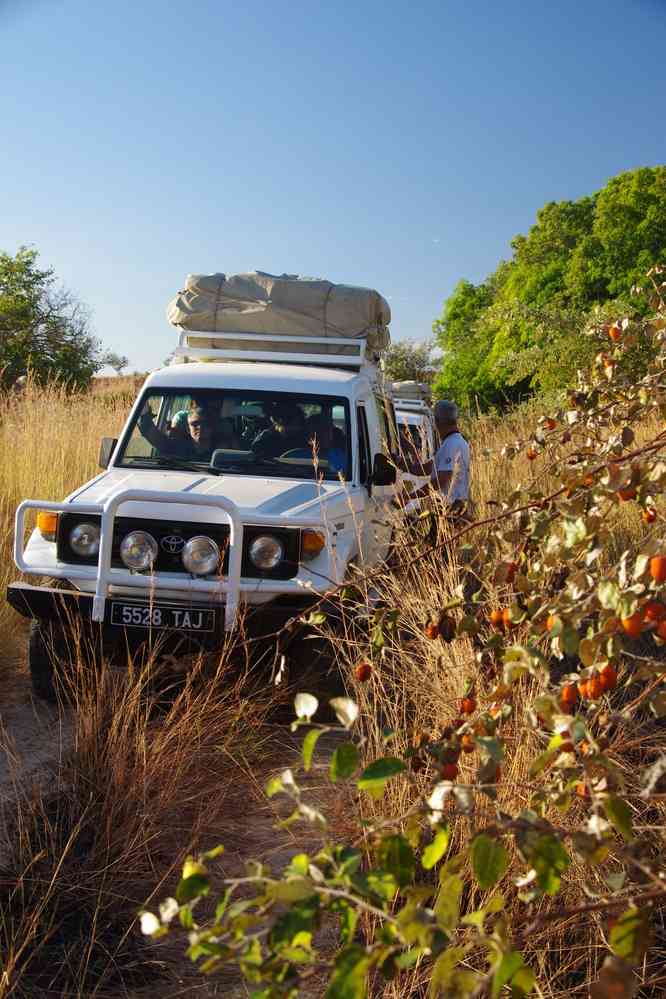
x=287 y=305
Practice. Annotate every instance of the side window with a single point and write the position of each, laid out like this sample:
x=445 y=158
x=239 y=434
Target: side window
x=389 y=433
x=363 y=445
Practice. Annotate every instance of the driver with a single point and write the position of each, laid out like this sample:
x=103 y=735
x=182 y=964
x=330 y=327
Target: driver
x=197 y=443
x=287 y=431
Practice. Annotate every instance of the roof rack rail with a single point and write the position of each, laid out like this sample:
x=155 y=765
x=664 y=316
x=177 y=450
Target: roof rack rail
x=414 y=405
x=330 y=352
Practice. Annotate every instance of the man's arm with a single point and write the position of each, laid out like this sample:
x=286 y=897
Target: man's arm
x=416 y=467
x=442 y=486
x=153 y=434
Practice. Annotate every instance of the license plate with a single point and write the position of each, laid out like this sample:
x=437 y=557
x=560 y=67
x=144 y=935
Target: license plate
x=170 y=617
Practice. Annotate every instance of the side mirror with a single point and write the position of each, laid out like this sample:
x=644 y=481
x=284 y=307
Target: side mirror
x=106 y=449
x=383 y=472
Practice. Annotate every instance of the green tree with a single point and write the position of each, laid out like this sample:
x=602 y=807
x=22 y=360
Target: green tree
x=116 y=361
x=518 y=331
x=407 y=360
x=43 y=328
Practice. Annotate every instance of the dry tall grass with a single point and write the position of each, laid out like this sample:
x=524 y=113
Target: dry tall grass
x=49 y=442
x=140 y=786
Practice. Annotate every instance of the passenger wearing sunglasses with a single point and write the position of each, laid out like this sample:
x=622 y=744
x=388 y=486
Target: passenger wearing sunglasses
x=197 y=443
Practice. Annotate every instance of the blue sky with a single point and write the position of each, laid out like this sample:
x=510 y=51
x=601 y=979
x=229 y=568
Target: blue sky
x=391 y=145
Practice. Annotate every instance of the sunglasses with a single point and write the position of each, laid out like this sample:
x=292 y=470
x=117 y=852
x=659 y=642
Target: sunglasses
x=196 y=424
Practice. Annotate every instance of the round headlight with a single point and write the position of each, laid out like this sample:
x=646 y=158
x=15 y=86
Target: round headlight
x=84 y=539
x=201 y=556
x=266 y=552
x=138 y=550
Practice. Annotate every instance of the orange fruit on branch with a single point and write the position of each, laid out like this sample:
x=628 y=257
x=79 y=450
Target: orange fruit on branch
x=468 y=705
x=431 y=630
x=654 y=610
x=497 y=618
x=568 y=695
x=531 y=453
x=582 y=685
x=615 y=332
x=633 y=625
x=363 y=671
x=658 y=568
x=649 y=515
x=594 y=688
x=608 y=677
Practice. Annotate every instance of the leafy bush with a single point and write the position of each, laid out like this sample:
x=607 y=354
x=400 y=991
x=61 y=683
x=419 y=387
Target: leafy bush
x=515 y=843
x=517 y=331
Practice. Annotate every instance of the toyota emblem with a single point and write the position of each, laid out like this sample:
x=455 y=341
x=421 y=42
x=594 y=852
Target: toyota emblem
x=173 y=543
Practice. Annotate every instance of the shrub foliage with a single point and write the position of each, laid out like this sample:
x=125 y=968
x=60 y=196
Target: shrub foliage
x=446 y=893
x=517 y=331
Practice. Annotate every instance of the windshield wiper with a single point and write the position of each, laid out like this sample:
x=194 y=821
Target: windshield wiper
x=180 y=464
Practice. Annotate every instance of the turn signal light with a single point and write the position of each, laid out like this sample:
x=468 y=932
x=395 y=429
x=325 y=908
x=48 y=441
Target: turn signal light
x=47 y=524
x=312 y=543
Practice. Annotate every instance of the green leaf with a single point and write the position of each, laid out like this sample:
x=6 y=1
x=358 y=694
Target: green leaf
x=630 y=934
x=489 y=860
x=434 y=852
x=619 y=816
x=344 y=761
x=348 y=980
x=380 y=883
x=296 y=926
x=512 y=971
x=274 y=786
x=492 y=749
x=193 y=887
x=299 y=865
x=550 y=860
x=396 y=856
x=447 y=903
x=608 y=594
x=291 y=890
x=309 y=743
x=375 y=775
x=444 y=969
x=221 y=906
x=217 y=851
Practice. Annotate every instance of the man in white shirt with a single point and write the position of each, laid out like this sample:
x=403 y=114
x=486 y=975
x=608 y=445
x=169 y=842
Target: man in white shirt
x=449 y=469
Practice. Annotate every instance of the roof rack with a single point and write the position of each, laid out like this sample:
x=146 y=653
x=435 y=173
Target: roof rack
x=330 y=352
x=413 y=405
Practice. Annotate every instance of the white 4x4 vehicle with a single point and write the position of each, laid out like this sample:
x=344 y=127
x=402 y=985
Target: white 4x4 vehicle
x=259 y=509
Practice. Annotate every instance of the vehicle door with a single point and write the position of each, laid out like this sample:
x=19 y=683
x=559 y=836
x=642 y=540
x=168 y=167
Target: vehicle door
x=377 y=436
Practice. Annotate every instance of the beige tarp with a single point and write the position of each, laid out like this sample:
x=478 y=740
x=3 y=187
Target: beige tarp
x=287 y=305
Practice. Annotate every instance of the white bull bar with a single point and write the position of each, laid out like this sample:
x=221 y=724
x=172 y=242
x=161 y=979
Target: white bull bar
x=107 y=576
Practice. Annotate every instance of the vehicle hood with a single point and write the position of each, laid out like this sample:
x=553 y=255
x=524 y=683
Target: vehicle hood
x=267 y=496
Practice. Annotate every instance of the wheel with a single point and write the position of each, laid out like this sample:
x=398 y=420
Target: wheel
x=49 y=660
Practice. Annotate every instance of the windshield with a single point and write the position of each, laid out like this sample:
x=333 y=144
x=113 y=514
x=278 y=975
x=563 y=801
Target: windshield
x=413 y=441
x=240 y=431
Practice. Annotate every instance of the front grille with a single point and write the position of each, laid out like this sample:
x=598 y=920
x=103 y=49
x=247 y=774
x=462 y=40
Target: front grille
x=167 y=529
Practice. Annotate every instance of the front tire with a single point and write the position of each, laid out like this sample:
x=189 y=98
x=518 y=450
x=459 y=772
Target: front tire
x=48 y=659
